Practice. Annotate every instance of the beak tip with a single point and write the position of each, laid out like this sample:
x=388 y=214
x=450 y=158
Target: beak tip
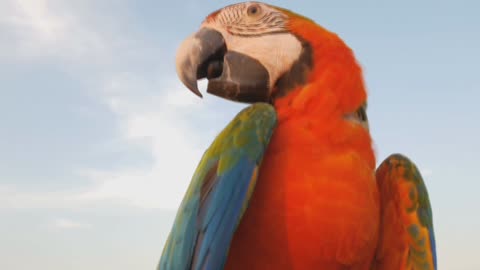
x=192 y=86
x=188 y=80
x=196 y=91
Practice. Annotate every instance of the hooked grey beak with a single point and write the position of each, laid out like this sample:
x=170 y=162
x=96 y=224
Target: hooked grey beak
x=196 y=54
x=231 y=75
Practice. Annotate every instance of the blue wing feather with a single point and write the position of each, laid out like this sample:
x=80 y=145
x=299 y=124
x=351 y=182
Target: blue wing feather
x=219 y=192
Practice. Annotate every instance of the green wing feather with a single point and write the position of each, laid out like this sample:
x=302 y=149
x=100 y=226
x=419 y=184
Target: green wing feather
x=219 y=193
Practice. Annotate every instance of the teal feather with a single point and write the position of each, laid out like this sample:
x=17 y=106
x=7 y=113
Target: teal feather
x=219 y=193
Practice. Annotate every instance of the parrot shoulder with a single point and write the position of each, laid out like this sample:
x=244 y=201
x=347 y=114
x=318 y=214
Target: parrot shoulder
x=219 y=192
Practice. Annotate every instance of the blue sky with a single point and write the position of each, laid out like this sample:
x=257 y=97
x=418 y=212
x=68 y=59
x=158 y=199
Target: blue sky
x=99 y=138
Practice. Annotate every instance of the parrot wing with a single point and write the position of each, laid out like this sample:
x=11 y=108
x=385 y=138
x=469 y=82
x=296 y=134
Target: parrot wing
x=407 y=240
x=219 y=193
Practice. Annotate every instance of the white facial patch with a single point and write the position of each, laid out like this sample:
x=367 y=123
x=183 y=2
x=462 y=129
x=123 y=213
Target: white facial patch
x=261 y=36
x=276 y=52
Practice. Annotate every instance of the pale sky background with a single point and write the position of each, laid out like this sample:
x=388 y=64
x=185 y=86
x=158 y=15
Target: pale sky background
x=98 y=138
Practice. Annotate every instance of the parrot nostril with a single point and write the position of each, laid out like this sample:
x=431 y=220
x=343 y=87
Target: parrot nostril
x=214 y=69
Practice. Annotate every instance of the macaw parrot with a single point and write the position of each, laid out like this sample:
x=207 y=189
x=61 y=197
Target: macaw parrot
x=291 y=182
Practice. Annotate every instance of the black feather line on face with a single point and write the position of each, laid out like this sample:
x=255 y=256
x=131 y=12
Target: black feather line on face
x=298 y=73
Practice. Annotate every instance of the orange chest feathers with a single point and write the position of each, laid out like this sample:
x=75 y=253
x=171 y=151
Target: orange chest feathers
x=315 y=205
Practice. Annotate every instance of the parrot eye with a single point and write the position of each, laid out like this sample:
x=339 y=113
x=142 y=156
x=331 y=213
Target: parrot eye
x=253 y=10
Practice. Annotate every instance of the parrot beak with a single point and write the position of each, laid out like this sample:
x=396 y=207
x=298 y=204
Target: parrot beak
x=231 y=75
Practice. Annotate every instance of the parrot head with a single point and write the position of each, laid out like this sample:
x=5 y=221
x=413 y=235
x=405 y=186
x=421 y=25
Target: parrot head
x=255 y=52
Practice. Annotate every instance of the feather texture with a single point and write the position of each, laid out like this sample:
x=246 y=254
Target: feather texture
x=407 y=239
x=219 y=192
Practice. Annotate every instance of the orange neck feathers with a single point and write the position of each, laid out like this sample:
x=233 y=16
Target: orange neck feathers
x=333 y=90
x=335 y=85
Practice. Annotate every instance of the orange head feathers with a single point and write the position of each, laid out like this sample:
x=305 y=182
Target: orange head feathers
x=334 y=81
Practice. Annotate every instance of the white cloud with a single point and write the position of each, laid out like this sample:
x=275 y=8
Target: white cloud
x=63 y=223
x=35 y=16
x=159 y=123
x=155 y=113
x=49 y=28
